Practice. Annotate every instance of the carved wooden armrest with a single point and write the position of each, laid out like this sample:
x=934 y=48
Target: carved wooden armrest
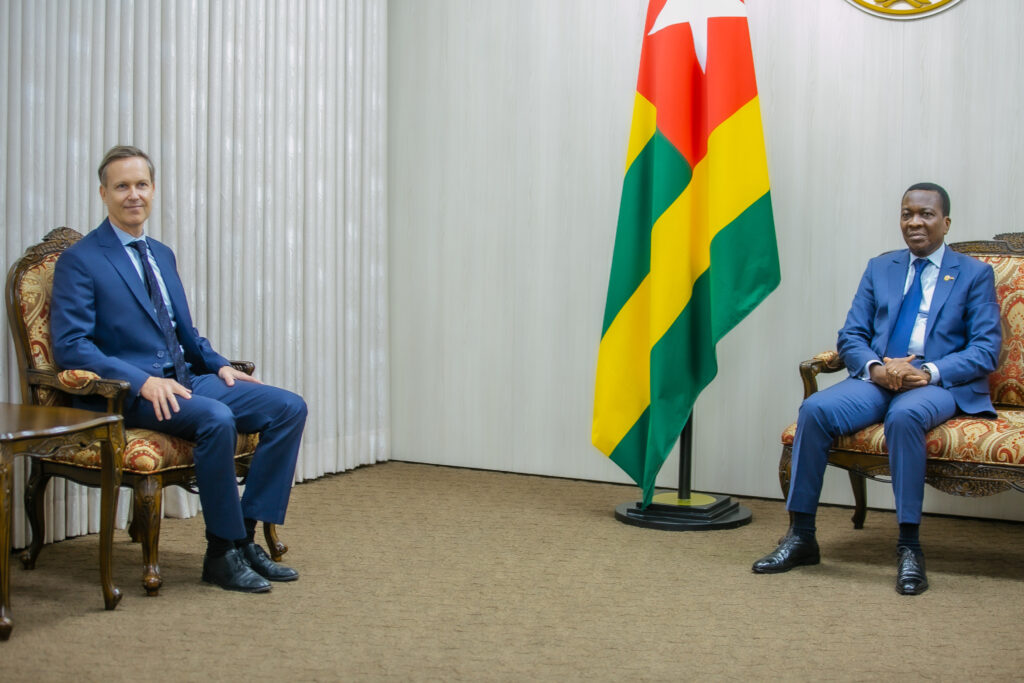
x=83 y=383
x=827 y=361
x=246 y=366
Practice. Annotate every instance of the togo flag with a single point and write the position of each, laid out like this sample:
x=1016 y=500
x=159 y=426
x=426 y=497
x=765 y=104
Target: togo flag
x=695 y=247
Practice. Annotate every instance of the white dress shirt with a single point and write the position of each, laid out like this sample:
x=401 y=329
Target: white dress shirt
x=133 y=254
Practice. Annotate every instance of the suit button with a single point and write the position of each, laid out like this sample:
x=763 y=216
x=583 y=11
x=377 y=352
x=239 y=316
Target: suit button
x=160 y=354
x=157 y=365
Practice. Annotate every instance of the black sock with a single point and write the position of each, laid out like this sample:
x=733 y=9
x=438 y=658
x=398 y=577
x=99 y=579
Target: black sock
x=803 y=525
x=250 y=533
x=910 y=537
x=217 y=546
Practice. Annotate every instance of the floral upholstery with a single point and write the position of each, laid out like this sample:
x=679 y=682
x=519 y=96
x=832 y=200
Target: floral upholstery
x=963 y=439
x=76 y=379
x=968 y=438
x=1007 y=382
x=146 y=451
x=36 y=286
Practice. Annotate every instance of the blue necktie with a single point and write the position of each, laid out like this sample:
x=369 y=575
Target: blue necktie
x=163 y=317
x=899 y=340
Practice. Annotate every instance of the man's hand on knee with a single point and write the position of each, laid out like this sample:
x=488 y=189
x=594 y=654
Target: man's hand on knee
x=162 y=393
x=230 y=374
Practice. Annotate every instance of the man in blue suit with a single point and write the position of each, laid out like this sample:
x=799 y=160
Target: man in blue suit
x=919 y=341
x=119 y=310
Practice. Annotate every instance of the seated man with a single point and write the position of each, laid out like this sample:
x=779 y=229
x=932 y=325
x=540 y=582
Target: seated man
x=119 y=310
x=919 y=341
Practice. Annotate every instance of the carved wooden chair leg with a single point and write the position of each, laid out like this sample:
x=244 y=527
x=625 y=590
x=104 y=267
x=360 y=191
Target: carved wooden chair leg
x=148 y=496
x=6 y=475
x=109 y=491
x=34 y=499
x=784 y=470
x=860 y=499
x=274 y=545
x=133 y=527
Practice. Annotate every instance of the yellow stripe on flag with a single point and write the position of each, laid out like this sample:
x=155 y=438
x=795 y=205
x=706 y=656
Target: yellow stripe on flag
x=731 y=177
x=623 y=388
x=645 y=122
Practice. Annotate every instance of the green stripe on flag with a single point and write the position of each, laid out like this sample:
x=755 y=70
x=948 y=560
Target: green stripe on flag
x=628 y=454
x=744 y=266
x=682 y=363
x=653 y=181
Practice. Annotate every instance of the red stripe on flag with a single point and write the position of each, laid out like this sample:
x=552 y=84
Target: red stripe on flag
x=670 y=78
x=689 y=103
x=730 y=75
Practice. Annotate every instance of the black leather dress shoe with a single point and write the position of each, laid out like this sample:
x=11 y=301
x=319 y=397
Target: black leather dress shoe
x=261 y=563
x=231 y=572
x=910 y=577
x=793 y=551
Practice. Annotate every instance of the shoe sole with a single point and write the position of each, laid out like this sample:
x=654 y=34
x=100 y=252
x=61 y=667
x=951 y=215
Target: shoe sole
x=237 y=589
x=921 y=589
x=801 y=563
x=282 y=580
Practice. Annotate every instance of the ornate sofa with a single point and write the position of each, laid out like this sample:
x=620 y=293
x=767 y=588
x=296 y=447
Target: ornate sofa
x=967 y=456
x=152 y=460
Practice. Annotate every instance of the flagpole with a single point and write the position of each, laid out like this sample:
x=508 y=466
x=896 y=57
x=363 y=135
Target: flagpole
x=685 y=510
x=685 y=458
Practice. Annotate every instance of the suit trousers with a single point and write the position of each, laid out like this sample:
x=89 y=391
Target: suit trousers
x=211 y=419
x=852 y=405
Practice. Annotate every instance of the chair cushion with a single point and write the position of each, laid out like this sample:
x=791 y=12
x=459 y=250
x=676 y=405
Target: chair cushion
x=962 y=439
x=148 y=451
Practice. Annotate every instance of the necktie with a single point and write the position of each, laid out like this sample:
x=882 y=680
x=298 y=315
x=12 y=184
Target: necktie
x=899 y=340
x=163 y=317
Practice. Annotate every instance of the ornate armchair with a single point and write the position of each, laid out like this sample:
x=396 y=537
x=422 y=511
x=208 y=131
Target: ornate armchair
x=152 y=460
x=967 y=456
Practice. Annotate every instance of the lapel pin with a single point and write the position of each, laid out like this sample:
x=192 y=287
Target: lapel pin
x=948 y=278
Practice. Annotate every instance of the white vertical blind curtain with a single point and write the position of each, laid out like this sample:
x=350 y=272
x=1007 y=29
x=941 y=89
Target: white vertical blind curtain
x=266 y=121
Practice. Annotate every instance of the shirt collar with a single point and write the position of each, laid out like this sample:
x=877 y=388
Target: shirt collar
x=935 y=257
x=126 y=238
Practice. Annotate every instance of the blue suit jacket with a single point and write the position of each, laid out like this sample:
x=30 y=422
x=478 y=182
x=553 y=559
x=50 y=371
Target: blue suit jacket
x=963 y=334
x=102 y=318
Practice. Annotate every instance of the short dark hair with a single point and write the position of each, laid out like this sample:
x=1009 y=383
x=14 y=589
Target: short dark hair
x=932 y=187
x=124 y=152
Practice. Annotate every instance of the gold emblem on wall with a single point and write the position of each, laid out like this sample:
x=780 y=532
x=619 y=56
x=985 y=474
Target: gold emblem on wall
x=903 y=9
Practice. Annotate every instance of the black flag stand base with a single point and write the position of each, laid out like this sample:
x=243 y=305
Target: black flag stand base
x=699 y=512
x=685 y=510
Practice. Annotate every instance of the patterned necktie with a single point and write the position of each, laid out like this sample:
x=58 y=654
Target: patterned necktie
x=163 y=317
x=899 y=340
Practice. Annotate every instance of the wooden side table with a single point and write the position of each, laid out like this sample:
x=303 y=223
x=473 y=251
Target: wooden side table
x=40 y=431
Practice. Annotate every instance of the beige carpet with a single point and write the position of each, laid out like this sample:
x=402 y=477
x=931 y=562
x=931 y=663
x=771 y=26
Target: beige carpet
x=415 y=572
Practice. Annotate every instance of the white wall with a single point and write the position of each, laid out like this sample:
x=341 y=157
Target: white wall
x=507 y=136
